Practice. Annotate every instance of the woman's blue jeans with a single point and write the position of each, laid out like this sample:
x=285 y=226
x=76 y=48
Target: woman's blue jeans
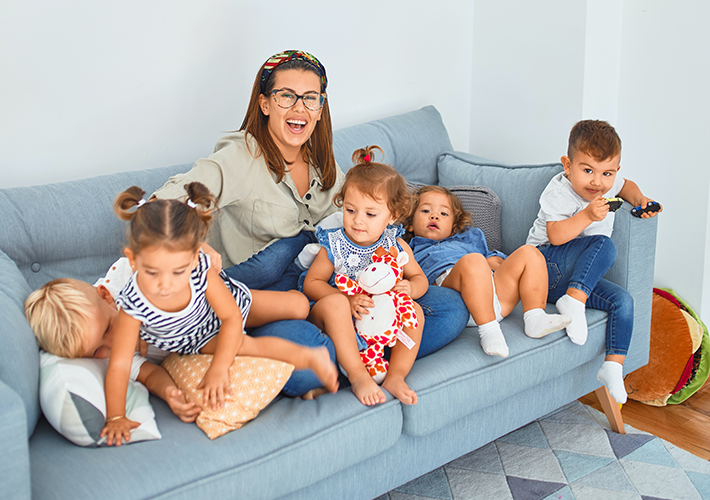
x=445 y=314
x=582 y=263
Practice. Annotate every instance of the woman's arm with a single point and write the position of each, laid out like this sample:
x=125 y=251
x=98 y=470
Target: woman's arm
x=415 y=283
x=118 y=427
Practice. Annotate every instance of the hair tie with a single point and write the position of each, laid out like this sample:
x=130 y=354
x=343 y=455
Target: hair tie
x=140 y=203
x=191 y=203
x=291 y=55
x=367 y=158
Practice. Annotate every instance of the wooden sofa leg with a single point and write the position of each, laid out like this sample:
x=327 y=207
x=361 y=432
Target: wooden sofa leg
x=611 y=409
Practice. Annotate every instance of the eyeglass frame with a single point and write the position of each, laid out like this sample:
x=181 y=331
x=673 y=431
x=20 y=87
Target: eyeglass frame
x=323 y=96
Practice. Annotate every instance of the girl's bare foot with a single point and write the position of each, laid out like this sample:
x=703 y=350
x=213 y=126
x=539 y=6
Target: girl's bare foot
x=314 y=393
x=400 y=390
x=367 y=391
x=319 y=361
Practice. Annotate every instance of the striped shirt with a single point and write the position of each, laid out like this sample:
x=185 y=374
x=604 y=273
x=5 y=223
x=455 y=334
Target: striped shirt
x=186 y=331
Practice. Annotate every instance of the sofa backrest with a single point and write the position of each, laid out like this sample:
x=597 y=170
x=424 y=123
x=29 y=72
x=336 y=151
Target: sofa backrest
x=411 y=143
x=518 y=186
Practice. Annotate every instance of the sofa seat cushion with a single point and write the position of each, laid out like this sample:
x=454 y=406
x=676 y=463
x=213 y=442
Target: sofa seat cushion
x=518 y=186
x=461 y=379
x=291 y=445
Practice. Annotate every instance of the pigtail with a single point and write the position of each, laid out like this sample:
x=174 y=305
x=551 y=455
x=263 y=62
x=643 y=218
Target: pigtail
x=125 y=201
x=365 y=156
x=202 y=201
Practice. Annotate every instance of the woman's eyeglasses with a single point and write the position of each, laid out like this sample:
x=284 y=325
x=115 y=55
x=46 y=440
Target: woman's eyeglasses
x=286 y=98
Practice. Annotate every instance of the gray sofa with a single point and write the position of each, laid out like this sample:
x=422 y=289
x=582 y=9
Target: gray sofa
x=332 y=447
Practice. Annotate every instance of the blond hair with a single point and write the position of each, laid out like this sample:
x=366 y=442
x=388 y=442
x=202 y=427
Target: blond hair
x=58 y=313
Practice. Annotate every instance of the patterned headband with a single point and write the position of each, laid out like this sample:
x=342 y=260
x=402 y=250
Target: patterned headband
x=291 y=55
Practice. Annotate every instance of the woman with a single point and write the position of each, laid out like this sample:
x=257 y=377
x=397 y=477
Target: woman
x=274 y=180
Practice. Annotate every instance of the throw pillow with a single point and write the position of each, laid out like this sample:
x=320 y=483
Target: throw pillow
x=255 y=382
x=484 y=206
x=519 y=188
x=71 y=394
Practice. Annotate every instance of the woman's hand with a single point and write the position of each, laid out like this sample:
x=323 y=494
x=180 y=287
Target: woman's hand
x=216 y=387
x=118 y=430
x=215 y=257
x=359 y=304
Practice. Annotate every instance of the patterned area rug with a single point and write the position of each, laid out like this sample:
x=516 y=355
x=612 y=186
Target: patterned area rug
x=570 y=454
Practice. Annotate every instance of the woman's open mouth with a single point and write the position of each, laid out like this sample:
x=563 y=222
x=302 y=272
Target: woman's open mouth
x=296 y=124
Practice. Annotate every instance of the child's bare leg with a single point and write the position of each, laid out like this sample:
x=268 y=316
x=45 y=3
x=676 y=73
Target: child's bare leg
x=268 y=306
x=332 y=315
x=401 y=361
x=471 y=276
x=523 y=277
x=611 y=374
x=572 y=304
x=301 y=357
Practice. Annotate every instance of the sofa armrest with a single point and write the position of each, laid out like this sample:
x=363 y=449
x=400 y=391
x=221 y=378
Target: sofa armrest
x=15 y=456
x=635 y=241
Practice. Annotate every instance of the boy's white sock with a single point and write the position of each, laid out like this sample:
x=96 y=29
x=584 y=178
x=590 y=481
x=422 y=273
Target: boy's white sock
x=577 y=329
x=538 y=323
x=492 y=339
x=611 y=374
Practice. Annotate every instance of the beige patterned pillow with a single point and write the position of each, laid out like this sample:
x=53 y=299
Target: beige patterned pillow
x=255 y=383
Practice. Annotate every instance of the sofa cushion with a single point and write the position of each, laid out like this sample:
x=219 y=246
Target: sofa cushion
x=74 y=403
x=292 y=445
x=76 y=238
x=255 y=382
x=400 y=138
x=483 y=204
x=518 y=186
x=19 y=356
x=461 y=379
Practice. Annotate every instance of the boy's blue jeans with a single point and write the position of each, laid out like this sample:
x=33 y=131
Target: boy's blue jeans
x=580 y=264
x=273 y=268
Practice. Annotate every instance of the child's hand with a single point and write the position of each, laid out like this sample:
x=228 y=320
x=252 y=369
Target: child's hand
x=359 y=304
x=403 y=286
x=187 y=412
x=215 y=257
x=597 y=209
x=118 y=430
x=644 y=202
x=216 y=386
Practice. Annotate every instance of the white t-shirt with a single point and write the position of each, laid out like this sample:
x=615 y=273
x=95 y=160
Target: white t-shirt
x=559 y=201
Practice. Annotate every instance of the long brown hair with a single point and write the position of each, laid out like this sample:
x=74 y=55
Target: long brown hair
x=317 y=150
x=376 y=180
x=172 y=224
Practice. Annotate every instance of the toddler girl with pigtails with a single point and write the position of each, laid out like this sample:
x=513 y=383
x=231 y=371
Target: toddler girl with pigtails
x=373 y=197
x=178 y=302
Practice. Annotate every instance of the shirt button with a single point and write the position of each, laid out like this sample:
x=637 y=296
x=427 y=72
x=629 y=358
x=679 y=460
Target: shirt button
x=305 y=221
x=308 y=196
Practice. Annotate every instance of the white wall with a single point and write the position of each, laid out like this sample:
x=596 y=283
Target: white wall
x=538 y=67
x=96 y=87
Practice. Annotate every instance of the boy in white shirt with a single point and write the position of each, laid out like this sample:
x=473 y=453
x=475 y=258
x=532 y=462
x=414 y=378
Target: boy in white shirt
x=573 y=231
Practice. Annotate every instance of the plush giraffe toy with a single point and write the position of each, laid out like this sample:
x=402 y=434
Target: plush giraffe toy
x=392 y=312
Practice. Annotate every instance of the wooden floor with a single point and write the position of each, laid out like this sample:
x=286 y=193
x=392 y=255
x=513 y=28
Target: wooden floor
x=686 y=425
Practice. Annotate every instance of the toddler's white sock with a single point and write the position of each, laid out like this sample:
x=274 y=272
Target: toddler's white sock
x=492 y=339
x=611 y=374
x=577 y=329
x=538 y=323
